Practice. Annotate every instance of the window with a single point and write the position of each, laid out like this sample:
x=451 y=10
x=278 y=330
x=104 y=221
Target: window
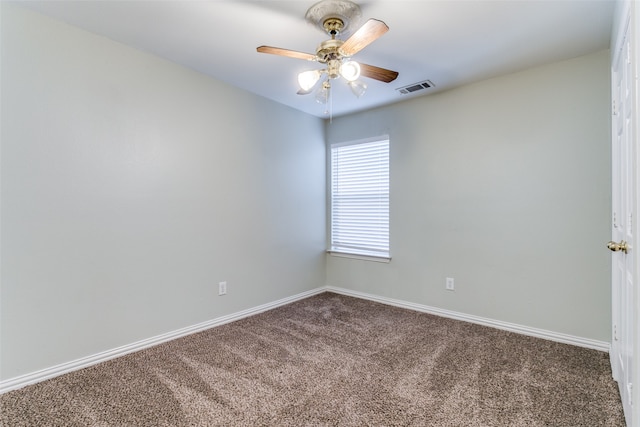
x=360 y=198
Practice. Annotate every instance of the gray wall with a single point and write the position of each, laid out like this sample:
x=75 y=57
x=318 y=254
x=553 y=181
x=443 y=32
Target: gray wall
x=503 y=185
x=131 y=186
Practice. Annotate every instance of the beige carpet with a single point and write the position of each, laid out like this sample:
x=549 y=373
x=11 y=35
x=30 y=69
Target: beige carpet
x=332 y=360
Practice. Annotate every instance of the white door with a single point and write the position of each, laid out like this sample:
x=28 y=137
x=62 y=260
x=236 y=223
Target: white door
x=623 y=221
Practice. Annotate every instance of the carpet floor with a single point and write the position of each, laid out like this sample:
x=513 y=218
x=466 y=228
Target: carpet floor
x=332 y=360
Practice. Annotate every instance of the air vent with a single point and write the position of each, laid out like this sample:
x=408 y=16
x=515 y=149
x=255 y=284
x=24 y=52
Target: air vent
x=415 y=87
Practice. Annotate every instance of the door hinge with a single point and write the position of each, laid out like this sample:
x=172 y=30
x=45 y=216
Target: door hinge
x=613 y=108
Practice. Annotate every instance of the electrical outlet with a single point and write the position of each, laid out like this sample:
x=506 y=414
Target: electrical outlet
x=222 y=288
x=449 y=284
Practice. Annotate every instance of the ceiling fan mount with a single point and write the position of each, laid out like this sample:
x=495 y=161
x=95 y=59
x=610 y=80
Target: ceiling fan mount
x=333 y=26
x=334 y=15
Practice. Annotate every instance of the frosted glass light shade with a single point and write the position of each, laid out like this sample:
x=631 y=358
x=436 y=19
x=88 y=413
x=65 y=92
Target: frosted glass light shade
x=308 y=79
x=358 y=88
x=322 y=96
x=350 y=70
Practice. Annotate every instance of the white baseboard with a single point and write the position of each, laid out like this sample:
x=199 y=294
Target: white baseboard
x=512 y=327
x=84 y=362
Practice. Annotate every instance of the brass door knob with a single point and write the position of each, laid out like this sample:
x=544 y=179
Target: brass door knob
x=616 y=247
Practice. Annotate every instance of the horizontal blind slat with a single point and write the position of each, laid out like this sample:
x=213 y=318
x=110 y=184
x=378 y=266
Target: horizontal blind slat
x=360 y=197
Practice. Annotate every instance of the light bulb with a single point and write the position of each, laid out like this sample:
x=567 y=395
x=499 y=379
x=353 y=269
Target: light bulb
x=350 y=70
x=358 y=88
x=308 y=79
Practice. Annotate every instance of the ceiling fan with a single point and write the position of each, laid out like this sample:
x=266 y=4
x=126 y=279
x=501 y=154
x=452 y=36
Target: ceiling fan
x=336 y=17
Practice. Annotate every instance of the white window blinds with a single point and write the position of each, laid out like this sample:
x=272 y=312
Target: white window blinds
x=360 y=198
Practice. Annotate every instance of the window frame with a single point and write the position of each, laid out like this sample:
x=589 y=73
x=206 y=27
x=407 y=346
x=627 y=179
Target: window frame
x=346 y=252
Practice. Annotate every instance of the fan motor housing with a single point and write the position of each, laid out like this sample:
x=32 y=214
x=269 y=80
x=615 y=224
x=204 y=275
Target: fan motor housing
x=328 y=50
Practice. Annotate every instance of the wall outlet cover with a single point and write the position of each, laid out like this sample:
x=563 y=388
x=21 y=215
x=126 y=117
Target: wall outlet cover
x=449 y=284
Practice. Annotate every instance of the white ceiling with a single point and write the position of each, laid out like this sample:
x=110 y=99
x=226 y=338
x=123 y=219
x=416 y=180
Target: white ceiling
x=450 y=43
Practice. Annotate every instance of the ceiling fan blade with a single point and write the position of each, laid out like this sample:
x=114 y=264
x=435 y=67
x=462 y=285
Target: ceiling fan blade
x=286 y=52
x=378 y=73
x=367 y=34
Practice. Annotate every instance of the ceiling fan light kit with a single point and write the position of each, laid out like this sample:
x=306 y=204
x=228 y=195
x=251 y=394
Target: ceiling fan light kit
x=337 y=17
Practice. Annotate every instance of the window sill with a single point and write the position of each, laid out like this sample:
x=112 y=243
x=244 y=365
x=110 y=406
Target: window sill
x=373 y=258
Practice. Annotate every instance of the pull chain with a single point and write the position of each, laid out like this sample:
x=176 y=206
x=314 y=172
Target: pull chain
x=330 y=106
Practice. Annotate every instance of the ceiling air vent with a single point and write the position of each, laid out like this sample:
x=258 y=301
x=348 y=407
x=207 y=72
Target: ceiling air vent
x=415 y=87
